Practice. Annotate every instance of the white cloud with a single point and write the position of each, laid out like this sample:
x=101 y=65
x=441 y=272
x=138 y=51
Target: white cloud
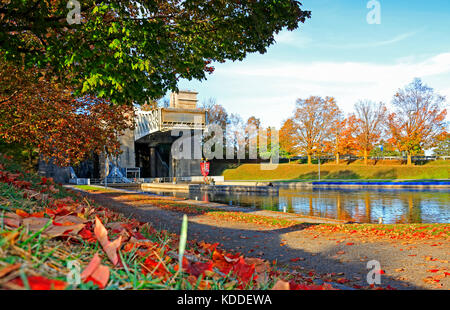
x=293 y=38
x=395 y=39
x=268 y=90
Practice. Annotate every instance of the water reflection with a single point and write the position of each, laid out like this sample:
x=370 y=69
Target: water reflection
x=366 y=206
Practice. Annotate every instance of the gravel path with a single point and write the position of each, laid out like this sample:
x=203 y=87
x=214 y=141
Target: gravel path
x=406 y=265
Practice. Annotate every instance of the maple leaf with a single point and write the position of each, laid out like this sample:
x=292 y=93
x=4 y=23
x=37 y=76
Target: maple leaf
x=198 y=268
x=109 y=247
x=244 y=271
x=156 y=268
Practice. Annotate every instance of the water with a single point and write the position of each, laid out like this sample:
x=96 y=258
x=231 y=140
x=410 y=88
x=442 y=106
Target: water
x=365 y=205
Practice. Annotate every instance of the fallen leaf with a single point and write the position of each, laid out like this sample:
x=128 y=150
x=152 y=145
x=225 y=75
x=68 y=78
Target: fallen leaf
x=297 y=259
x=56 y=231
x=109 y=247
x=22 y=213
x=281 y=286
x=40 y=283
x=96 y=272
x=12 y=219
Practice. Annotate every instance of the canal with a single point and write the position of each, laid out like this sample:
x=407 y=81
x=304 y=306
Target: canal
x=360 y=205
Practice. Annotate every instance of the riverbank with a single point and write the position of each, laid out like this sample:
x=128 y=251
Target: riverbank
x=303 y=172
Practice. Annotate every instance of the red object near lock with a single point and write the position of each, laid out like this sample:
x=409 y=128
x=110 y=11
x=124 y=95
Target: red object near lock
x=204 y=168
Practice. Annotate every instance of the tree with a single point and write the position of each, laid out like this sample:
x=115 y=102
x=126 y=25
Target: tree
x=235 y=137
x=368 y=123
x=313 y=121
x=418 y=121
x=288 y=144
x=41 y=114
x=443 y=146
x=251 y=129
x=130 y=51
x=343 y=142
x=388 y=150
x=215 y=113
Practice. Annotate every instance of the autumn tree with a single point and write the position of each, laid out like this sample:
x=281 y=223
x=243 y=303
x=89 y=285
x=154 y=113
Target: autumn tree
x=129 y=51
x=443 y=146
x=215 y=113
x=368 y=125
x=342 y=140
x=288 y=144
x=385 y=149
x=313 y=121
x=40 y=114
x=252 y=127
x=418 y=121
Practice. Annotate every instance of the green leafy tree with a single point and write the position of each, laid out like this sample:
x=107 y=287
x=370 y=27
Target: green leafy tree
x=130 y=51
x=443 y=147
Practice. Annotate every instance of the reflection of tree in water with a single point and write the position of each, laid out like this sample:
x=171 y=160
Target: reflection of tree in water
x=341 y=212
x=413 y=203
x=367 y=205
x=394 y=206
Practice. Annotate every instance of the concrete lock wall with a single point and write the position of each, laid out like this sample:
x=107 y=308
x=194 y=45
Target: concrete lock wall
x=183 y=100
x=127 y=159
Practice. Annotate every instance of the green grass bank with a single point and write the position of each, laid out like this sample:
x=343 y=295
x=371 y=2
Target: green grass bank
x=295 y=171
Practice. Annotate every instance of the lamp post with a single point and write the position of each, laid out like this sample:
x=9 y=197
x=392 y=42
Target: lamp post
x=106 y=169
x=319 y=167
x=320 y=151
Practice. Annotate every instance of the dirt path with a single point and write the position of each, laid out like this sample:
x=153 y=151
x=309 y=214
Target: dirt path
x=406 y=265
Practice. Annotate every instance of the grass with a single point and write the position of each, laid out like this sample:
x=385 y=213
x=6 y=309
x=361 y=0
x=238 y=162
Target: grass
x=92 y=188
x=302 y=172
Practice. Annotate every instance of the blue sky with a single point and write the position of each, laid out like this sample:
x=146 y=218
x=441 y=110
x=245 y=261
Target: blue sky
x=337 y=53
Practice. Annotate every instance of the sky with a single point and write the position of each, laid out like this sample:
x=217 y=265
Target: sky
x=338 y=53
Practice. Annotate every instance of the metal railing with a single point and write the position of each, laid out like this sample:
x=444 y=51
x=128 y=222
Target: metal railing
x=349 y=157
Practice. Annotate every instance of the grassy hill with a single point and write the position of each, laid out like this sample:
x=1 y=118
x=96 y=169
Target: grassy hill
x=295 y=171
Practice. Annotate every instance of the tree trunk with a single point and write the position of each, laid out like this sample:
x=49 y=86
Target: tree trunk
x=409 y=160
x=337 y=159
x=365 y=158
x=309 y=159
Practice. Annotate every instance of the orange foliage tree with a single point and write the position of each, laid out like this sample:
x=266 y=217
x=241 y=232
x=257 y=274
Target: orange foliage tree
x=312 y=124
x=287 y=133
x=418 y=121
x=367 y=125
x=343 y=142
x=38 y=113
